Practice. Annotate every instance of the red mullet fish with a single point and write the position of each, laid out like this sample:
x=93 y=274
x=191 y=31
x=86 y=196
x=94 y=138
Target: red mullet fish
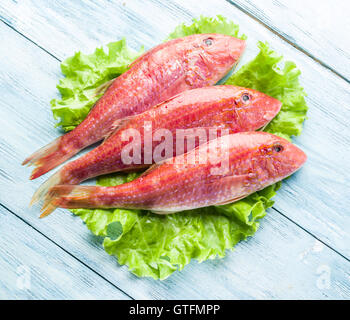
x=233 y=108
x=166 y=70
x=236 y=166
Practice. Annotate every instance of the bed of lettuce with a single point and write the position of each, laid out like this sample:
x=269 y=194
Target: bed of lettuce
x=153 y=245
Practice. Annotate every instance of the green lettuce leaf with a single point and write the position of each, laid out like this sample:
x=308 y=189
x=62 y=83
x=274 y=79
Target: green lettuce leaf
x=263 y=74
x=153 y=245
x=157 y=245
x=85 y=76
x=218 y=24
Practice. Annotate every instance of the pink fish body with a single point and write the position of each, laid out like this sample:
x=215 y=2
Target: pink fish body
x=233 y=108
x=237 y=165
x=166 y=70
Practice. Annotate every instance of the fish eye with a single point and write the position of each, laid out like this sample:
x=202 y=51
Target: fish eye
x=245 y=97
x=277 y=148
x=208 y=42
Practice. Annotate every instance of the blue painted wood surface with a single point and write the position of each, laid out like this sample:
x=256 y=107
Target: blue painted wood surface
x=318 y=28
x=32 y=267
x=302 y=248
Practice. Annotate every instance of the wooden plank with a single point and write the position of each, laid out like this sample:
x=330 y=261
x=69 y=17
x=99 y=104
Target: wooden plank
x=32 y=267
x=322 y=209
x=280 y=261
x=320 y=28
x=328 y=96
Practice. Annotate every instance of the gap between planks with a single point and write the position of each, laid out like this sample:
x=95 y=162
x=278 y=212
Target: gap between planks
x=74 y=257
x=30 y=40
x=308 y=232
x=278 y=211
x=323 y=64
x=245 y=11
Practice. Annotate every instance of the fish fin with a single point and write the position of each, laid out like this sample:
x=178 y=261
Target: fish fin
x=167 y=100
x=163 y=211
x=116 y=125
x=68 y=196
x=264 y=126
x=155 y=166
x=234 y=199
x=48 y=157
x=42 y=191
x=216 y=204
x=230 y=200
x=46 y=210
x=61 y=177
x=151 y=168
x=103 y=87
x=231 y=180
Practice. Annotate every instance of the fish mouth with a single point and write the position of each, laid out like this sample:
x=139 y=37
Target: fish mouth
x=299 y=156
x=272 y=107
x=237 y=47
x=294 y=155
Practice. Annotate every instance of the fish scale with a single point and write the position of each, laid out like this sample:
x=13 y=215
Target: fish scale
x=206 y=108
x=161 y=73
x=255 y=161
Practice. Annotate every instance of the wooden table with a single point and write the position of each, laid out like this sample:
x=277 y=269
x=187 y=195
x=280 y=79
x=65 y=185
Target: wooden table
x=302 y=248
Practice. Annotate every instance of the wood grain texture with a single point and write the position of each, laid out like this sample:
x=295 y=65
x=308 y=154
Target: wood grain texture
x=322 y=211
x=321 y=28
x=32 y=267
x=280 y=261
x=316 y=197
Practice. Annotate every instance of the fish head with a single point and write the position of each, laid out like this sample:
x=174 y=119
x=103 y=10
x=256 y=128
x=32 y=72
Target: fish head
x=218 y=53
x=254 y=109
x=281 y=158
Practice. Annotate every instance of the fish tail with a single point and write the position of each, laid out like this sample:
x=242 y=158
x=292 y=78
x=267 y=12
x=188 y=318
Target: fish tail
x=43 y=190
x=63 y=176
x=48 y=157
x=70 y=197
